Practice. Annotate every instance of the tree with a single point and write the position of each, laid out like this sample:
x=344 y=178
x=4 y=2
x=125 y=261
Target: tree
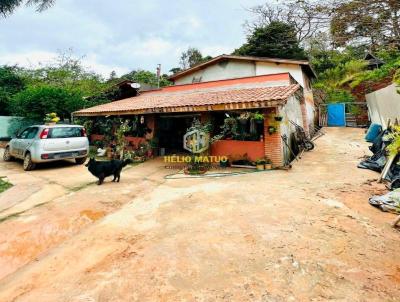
x=10 y=84
x=62 y=86
x=66 y=71
x=175 y=70
x=146 y=77
x=372 y=22
x=192 y=57
x=306 y=17
x=35 y=101
x=7 y=7
x=277 y=39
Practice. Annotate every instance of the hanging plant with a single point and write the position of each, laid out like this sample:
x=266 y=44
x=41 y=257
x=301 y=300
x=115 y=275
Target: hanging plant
x=272 y=129
x=258 y=117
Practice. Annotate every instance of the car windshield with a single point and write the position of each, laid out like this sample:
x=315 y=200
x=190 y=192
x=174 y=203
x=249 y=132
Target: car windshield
x=64 y=132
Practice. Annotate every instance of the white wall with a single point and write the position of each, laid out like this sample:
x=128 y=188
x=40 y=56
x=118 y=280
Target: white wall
x=231 y=69
x=220 y=71
x=384 y=104
x=290 y=112
x=270 y=68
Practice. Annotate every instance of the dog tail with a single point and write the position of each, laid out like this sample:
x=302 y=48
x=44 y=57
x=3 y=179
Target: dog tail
x=126 y=162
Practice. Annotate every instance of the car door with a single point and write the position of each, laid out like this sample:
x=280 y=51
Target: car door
x=15 y=145
x=26 y=141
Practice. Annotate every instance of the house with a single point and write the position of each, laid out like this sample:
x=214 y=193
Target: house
x=372 y=61
x=168 y=112
x=230 y=66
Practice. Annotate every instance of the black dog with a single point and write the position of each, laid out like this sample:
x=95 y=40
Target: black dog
x=102 y=169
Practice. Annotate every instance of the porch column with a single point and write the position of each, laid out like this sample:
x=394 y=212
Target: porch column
x=150 y=122
x=303 y=107
x=272 y=142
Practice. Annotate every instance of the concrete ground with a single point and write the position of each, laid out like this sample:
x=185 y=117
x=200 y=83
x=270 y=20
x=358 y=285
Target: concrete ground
x=307 y=234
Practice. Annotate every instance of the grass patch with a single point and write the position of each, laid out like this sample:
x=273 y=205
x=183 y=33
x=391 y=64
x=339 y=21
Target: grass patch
x=4 y=185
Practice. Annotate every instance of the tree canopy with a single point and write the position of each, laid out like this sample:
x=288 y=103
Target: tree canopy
x=7 y=7
x=277 y=39
x=10 y=84
x=372 y=22
x=307 y=17
x=35 y=101
x=62 y=86
x=192 y=56
x=146 y=77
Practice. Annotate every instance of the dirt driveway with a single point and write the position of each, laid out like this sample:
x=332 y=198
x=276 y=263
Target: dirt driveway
x=307 y=234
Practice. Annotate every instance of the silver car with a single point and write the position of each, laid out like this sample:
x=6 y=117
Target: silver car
x=43 y=143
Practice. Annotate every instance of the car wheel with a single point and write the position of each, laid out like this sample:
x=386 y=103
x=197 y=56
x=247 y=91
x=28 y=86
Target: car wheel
x=7 y=156
x=80 y=161
x=28 y=164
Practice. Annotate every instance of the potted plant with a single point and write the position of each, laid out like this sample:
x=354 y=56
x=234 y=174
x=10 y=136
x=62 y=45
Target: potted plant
x=51 y=118
x=195 y=168
x=268 y=164
x=258 y=117
x=260 y=164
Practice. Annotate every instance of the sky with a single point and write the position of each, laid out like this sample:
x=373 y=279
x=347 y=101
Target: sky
x=123 y=35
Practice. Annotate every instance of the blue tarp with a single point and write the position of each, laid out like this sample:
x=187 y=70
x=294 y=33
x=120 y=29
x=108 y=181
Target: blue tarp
x=373 y=132
x=336 y=115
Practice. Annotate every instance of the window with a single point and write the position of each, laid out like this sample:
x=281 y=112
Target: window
x=24 y=133
x=32 y=132
x=29 y=133
x=65 y=132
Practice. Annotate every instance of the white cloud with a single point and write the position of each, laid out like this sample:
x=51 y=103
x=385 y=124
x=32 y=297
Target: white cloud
x=123 y=35
x=31 y=59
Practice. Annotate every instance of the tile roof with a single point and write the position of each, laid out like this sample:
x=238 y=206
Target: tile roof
x=153 y=101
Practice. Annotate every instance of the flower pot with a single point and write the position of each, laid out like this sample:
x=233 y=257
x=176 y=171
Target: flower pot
x=278 y=118
x=259 y=121
x=260 y=167
x=268 y=166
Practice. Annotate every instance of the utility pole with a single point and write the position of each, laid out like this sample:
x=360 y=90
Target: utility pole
x=158 y=75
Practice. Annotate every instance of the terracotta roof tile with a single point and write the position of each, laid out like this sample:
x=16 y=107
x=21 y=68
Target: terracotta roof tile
x=160 y=99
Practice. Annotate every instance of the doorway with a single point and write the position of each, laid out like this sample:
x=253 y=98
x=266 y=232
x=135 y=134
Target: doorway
x=170 y=131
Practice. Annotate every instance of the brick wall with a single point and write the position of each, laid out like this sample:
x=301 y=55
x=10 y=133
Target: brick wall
x=272 y=142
